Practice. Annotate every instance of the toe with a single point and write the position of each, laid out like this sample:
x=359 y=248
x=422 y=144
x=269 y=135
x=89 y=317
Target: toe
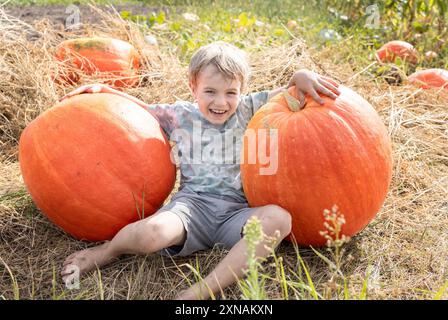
x=65 y=278
x=69 y=269
x=66 y=272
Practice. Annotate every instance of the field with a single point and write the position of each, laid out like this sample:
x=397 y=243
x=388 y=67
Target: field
x=401 y=254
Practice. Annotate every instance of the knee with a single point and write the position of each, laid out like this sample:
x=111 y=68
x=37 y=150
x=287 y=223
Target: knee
x=148 y=235
x=274 y=218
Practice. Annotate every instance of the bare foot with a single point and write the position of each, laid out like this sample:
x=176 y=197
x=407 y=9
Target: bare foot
x=85 y=260
x=193 y=293
x=186 y=295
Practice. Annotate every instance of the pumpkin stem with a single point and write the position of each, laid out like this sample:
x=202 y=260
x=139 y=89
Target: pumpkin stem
x=292 y=102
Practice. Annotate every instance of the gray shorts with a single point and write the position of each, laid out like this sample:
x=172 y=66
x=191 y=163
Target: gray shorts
x=208 y=220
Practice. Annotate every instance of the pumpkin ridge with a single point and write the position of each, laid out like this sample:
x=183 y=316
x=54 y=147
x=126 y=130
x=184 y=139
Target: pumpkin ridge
x=312 y=132
x=340 y=176
x=366 y=167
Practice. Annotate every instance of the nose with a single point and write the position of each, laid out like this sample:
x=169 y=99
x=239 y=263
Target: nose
x=220 y=101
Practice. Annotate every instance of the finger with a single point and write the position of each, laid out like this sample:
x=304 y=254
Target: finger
x=66 y=278
x=330 y=80
x=329 y=85
x=66 y=272
x=79 y=90
x=315 y=96
x=320 y=88
x=94 y=89
x=70 y=94
x=73 y=93
x=302 y=99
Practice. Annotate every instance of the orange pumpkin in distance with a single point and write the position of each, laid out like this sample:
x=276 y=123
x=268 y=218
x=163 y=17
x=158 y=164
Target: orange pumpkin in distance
x=94 y=163
x=430 y=78
x=397 y=49
x=338 y=153
x=112 y=59
x=430 y=56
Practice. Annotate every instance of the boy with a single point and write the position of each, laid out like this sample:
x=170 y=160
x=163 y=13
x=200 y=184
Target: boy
x=210 y=207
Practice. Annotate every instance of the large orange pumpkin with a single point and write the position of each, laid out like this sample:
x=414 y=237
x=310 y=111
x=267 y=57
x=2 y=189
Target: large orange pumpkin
x=338 y=153
x=108 y=58
x=397 y=49
x=430 y=78
x=95 y=163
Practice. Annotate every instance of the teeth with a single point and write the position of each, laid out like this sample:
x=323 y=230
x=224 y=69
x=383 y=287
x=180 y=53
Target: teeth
x=218 y=111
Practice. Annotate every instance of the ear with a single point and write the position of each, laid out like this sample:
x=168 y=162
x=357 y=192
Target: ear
x=192 y=86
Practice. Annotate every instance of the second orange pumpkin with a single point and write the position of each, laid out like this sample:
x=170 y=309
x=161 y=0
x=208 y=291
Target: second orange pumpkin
x=338 y=153
x=397 y=49
x=430 y=78
x=109 y=58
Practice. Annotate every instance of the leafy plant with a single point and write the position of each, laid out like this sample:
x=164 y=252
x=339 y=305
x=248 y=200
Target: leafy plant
x=253 y=286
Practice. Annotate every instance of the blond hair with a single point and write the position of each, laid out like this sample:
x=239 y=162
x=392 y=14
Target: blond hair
x=230 y=61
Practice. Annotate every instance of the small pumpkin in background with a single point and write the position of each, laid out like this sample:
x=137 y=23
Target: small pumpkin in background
x=392 y=50
x=430 y=56
x=430 y=78
x=94 y=163
x=292 y=24
x=114 y=60
x=338 y=153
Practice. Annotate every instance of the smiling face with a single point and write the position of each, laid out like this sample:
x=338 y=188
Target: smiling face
x=217 y=96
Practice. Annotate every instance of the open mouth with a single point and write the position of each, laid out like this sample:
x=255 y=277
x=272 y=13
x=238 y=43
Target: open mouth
x=217 y=111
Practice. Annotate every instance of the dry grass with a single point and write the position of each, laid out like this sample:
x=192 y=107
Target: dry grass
x=405 y=248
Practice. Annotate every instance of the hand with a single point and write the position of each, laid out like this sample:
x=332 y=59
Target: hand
x=89 y=88
x=307 y=81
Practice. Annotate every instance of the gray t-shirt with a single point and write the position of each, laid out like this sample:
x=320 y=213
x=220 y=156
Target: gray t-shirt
x=208 y=154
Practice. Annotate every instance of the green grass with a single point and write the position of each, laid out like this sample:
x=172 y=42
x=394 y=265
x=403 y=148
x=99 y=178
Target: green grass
x=217 y=22
x=67 y=2
x=266 y=22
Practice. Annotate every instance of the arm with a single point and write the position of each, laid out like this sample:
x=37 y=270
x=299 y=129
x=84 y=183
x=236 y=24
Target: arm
x=162 y=112
x=128 y=96
x=101 y=88
x=274 y=92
